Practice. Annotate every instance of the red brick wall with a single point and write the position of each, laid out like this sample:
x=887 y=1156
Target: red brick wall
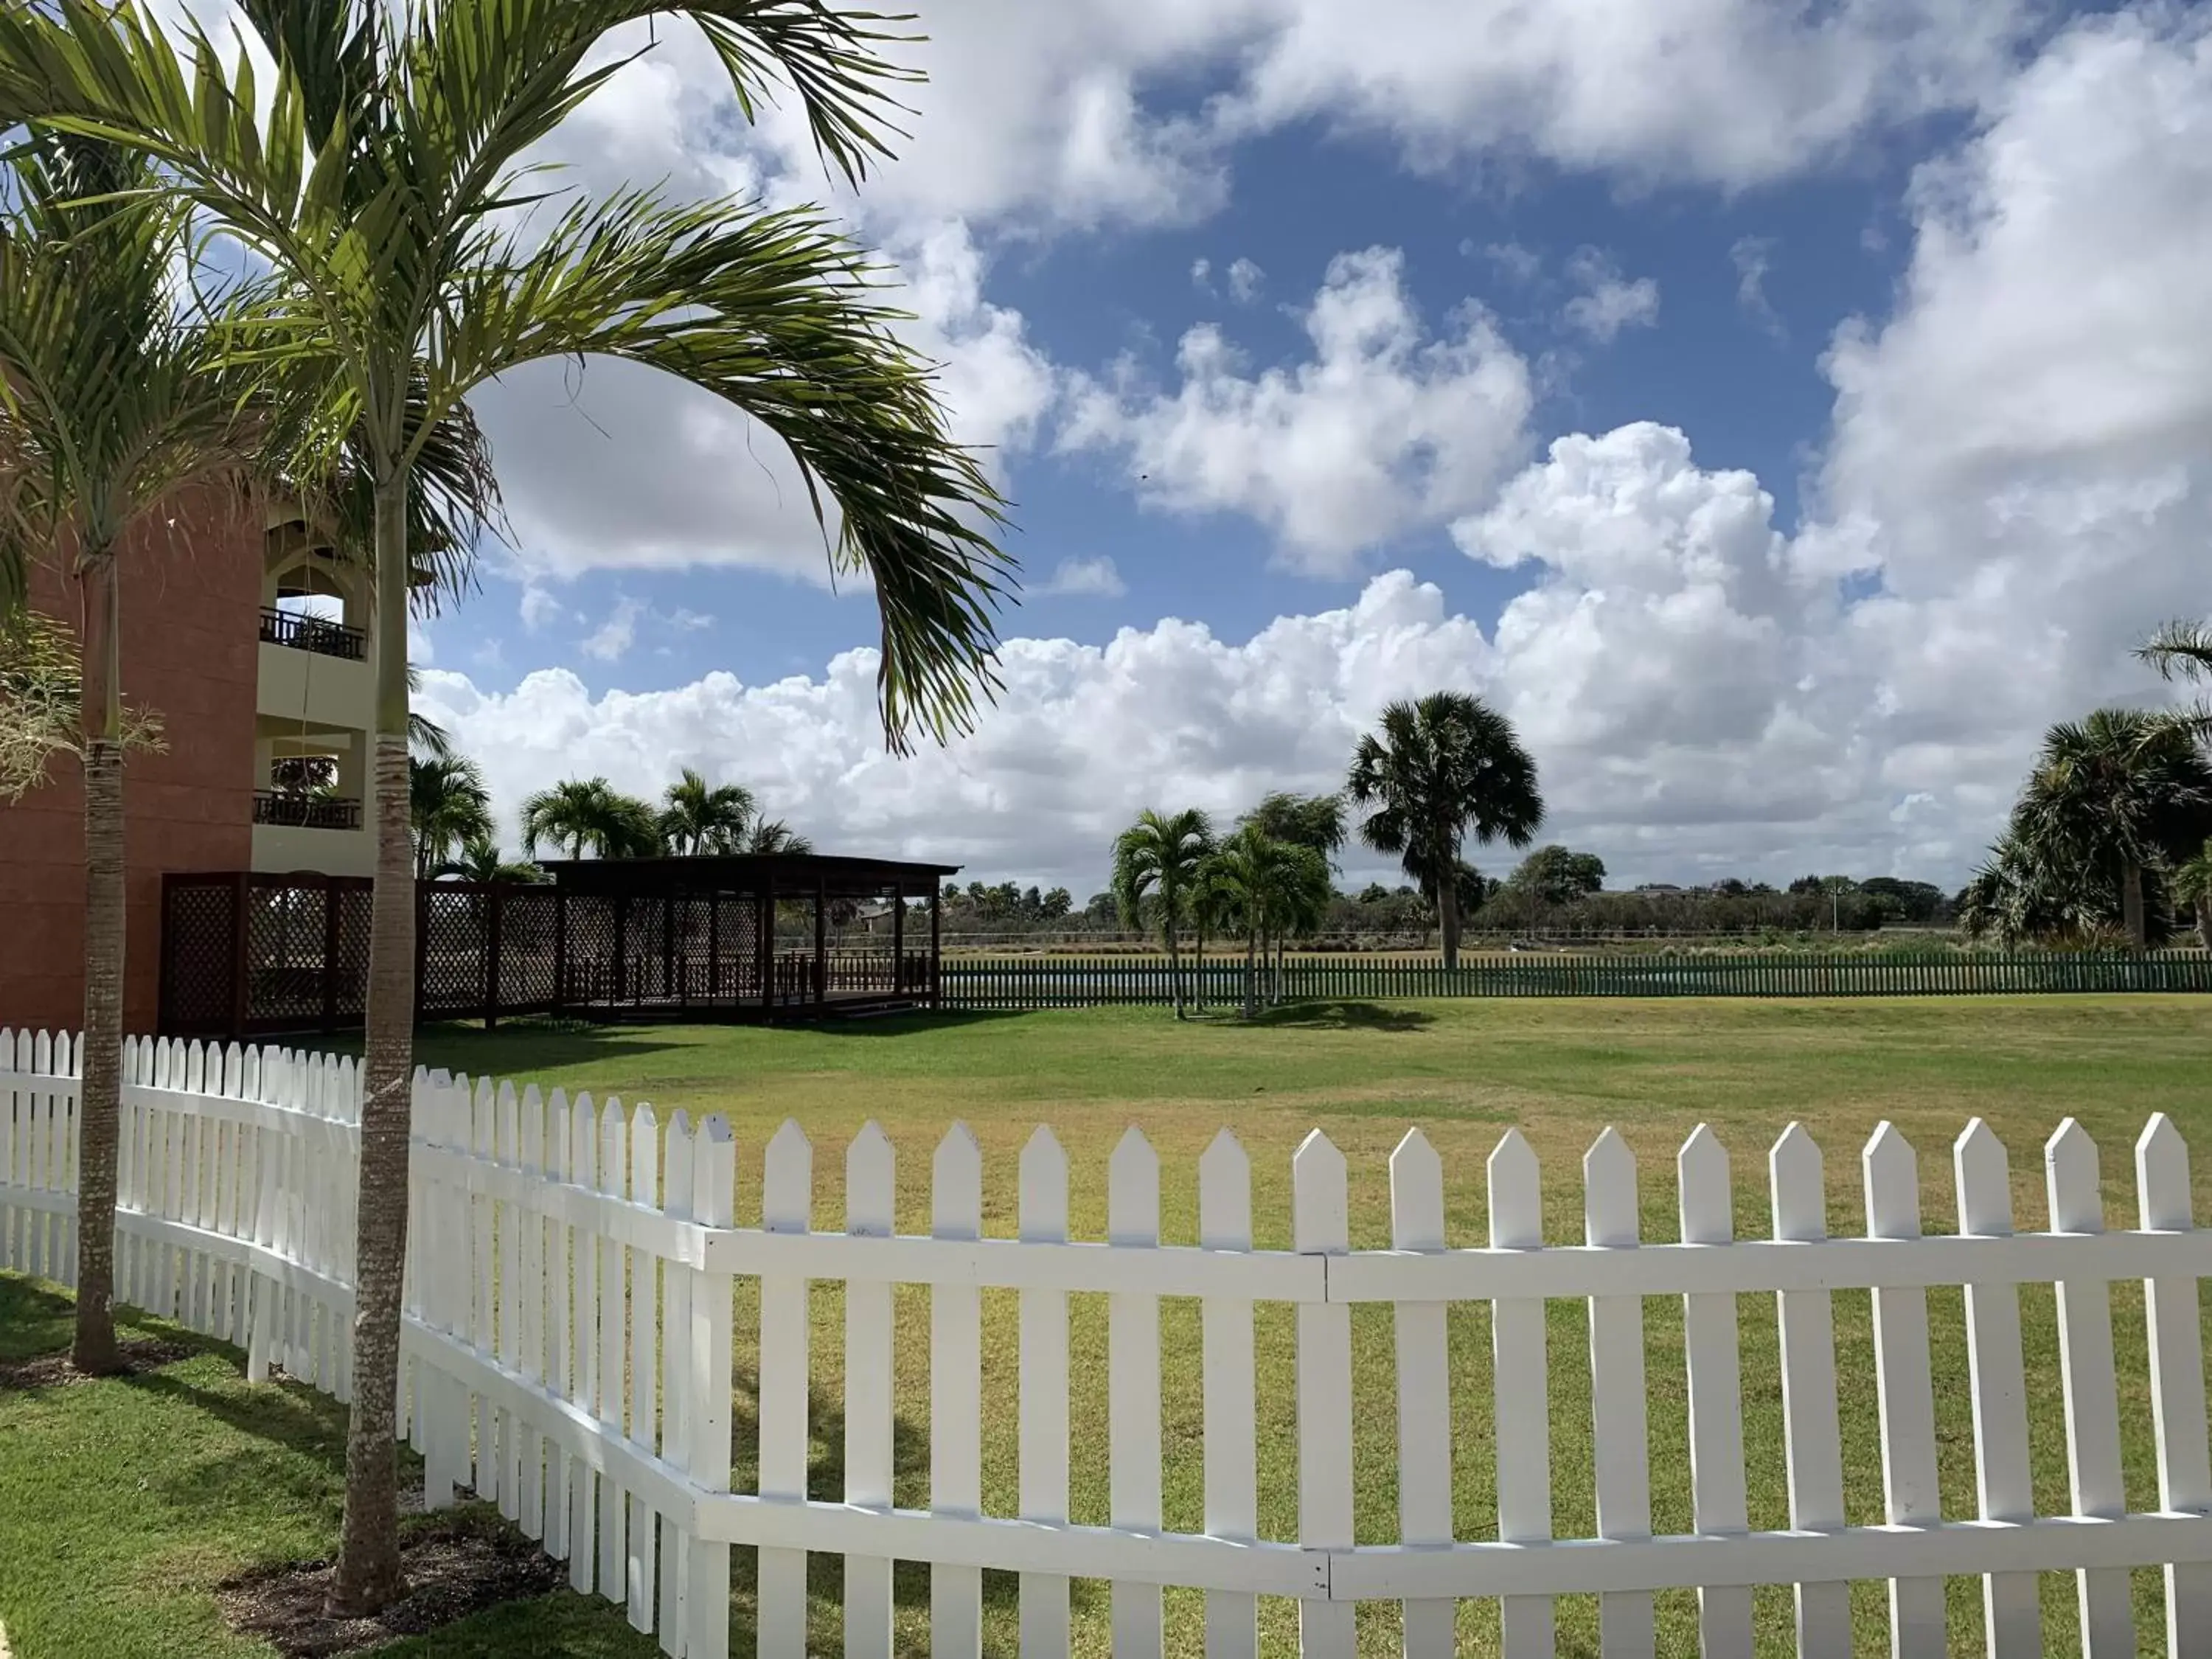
x=192 y=592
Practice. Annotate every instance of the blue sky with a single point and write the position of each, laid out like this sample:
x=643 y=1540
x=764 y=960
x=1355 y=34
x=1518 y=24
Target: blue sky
x=1592 y=290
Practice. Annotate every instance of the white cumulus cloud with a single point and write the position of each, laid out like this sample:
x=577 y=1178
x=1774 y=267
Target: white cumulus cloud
x=1090 y=578
x=1387 y=426
x=1607 y=301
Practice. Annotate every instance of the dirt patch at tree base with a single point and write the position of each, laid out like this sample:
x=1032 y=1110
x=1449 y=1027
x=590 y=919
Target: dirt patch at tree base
x=454 y=1567
x=53 y=1370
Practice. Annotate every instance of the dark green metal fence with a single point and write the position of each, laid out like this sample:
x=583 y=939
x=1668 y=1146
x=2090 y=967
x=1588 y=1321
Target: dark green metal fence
x=1081 y=982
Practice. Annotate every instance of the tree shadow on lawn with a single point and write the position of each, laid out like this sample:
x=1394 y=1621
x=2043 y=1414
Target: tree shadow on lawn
x=880 y=1025
x=516 y=1046
x=1346 y=1015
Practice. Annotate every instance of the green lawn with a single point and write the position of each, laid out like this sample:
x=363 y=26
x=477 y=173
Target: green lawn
x=1562 y=1070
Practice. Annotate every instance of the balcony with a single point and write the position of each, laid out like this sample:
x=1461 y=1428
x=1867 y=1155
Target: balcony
x=283 y=811
x=316 y=633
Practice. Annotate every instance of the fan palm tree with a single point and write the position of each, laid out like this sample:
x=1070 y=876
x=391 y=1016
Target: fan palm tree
x=2125 y=791
x=2192 y=885
x=1440 y=769
x=369 y=172
x=115 y=400
x=481 y=861
x=1157 y=860
x=447 y=807
x=700 y=817
x=590 y=816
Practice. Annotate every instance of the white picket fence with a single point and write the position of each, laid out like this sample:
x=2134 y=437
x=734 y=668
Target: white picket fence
x=567 y=1353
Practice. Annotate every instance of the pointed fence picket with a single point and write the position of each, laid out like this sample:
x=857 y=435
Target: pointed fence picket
x=568 y=1338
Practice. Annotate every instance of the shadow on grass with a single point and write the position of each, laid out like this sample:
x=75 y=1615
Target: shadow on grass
x=906 y=1024
x=1346 y=1016
x=517 y=1045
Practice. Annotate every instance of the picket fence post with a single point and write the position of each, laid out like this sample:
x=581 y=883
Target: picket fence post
x=871 y=1193
x=1225 y=1224
x=2093 y=1412
x=956 y=1396
x=1905 y=1392
x=1521 y=1381
x=1424 y=1428
x=706 y=1569
x=2177 y=1377
x=786 y=1206
x=1621 y=1452
x=1132 y=1386
x=1708 y=1342
x=1320 y=1225
x=1042 y=1219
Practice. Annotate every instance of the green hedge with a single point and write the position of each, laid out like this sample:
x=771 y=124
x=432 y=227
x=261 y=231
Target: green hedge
x=1077 y=982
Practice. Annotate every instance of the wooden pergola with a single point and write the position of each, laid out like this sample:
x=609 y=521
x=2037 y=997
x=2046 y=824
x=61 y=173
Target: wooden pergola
x=741 y=937
x=736 y=939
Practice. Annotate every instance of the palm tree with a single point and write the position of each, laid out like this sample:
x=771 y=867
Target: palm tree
x=41 y=703
x=481 y=861
x=447 y=807
x=2192 y=885
x=1271 y=889
x=1315 y=821
x=1441 y=769
x=1157 y=858
x=703 y=818
x=1212 y=906
x=2028 y=890
x=590 y=814
x=369 y=166
x=2125 y=791
x=774 y=836
x=114 y=401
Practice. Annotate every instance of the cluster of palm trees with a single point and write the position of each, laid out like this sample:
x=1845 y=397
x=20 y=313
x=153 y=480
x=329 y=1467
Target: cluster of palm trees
x=2111 y=837
x=1436 y=772
x=589 y=818
x=371 y=162
x=450 y=810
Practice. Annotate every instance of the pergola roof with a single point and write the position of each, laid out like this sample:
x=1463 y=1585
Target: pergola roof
x=796 y=874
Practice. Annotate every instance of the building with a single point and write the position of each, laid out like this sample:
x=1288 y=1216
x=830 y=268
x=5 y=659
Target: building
x=251 y=642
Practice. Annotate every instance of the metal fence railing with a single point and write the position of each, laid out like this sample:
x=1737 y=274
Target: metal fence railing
x=1080 y=982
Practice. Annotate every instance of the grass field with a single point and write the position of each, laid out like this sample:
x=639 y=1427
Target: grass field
x=1464 y=1071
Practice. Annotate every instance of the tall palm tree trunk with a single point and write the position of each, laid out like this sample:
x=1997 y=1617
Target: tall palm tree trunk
x=1448 y=911
x=1197 y=986
x=2132 y=908
x=1251 y=974
x=100 y=1092
x=369 y=1575
x=1175 y=966
x=2204 y=921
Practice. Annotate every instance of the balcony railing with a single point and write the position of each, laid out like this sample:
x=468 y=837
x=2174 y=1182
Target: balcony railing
x=316 y=633
x=289 y=812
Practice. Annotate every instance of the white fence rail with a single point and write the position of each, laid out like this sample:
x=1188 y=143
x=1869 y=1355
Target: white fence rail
x=568 y=1354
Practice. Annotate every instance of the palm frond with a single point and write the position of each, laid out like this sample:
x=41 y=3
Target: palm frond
x=2180 y=650
x=779 y=316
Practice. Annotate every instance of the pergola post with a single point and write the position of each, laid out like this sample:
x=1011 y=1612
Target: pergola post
x=768 y=942
x=898 y=942
x=821 y=942
x=936 y=950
